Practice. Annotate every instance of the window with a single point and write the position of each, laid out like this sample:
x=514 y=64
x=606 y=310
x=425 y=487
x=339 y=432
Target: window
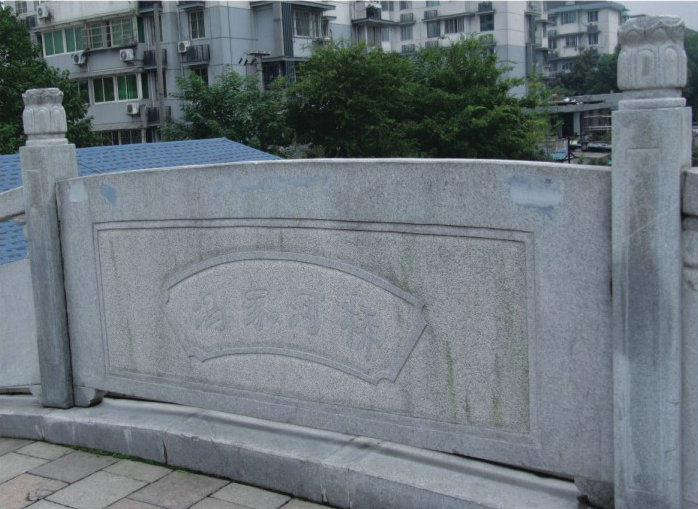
x=385 y=34
x=433 y=29
x=127 y=87
x=570 y=41
x=122 y=31
x=83 y=90
x=405 y=5
x=406 y=33
x=306 y=23
x=569 y=17
x=552 y=43
x=21 y=7
x=103 y=89
x=73 y=39
x=408 y=48
x=553 y=20
x=388 y=6
x=53 y=42
x=122 y=137
x=486 y=22
x=433 y=3
x=593 y=39
x=454 y=26
x=431 y=14
x=593 y=16
x=119 y=88
x=197 y=29
x=567 y=66
x=201 y=72
x=96 y=36
x=144 y=86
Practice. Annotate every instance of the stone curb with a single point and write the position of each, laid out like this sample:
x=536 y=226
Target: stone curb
x=337 y=469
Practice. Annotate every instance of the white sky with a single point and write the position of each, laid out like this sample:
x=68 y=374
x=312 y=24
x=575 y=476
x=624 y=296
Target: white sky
x=686 y=10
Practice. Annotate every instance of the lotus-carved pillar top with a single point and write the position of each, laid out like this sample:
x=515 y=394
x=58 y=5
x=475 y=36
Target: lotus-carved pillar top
x=652 y=57
x=44 y=116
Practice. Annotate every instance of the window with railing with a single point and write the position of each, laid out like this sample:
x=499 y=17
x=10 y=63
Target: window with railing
x=407 y=48
x=197 y=28
x=571 y=41
x=454 y=25
x=431 y=14
x=593 y=39
x=593 y=16
x=406 y=33
x=406 y=17
x=306 y=23
x=111 y=33
x=431 y=44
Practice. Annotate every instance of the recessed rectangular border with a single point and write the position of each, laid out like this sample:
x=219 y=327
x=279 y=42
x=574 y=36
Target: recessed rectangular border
x=262 y=405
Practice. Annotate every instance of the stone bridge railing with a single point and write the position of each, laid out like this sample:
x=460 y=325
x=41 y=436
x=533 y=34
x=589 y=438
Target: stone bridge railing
x=484 y=326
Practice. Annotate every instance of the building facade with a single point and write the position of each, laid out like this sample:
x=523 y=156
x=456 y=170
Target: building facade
x=128 y=75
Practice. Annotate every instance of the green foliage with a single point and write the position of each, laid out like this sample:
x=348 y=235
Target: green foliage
x=443 y=102
x=22 y=68
x=463 y=106
x=231 y=107
x=353 y=102
x=591 y=74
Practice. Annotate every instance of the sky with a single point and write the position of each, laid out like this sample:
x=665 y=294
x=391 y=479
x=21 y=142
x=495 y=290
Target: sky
x=686 y=10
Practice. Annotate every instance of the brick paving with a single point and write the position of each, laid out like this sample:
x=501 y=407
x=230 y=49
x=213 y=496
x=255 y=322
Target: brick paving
x=39 y=475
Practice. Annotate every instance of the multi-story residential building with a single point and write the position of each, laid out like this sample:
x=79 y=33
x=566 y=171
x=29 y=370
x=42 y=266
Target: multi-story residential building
x=581 y=26
x=128 y=75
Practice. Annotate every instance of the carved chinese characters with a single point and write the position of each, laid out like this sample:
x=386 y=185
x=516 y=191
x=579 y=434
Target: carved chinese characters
x=294 y=305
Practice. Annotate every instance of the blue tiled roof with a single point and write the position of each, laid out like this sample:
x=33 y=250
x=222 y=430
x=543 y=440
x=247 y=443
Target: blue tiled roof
x=94 y=160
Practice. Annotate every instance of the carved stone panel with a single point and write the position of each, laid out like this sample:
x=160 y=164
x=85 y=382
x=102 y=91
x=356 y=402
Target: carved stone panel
x=296 y=305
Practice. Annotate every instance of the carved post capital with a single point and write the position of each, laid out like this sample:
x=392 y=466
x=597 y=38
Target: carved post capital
x=652 y=57
x=44 y=117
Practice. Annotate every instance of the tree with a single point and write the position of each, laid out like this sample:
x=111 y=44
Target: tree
x=353 y=101
x=591 y=74
x=22 y=68
x=464 y=107
x=232 y=107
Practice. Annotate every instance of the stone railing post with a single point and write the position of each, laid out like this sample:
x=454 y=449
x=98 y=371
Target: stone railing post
x=46 y=158
x=651 y=149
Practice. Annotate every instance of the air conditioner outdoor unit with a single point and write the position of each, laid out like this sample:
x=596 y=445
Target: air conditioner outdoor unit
x=79 y=58
x=132 y=108
x=183 y=46
x=43 y=12
x=126 y=55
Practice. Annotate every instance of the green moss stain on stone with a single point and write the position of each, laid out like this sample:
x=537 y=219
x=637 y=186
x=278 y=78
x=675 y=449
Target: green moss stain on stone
x=406 y=263
x=510 y=388
x=451 y=385
x=497 y=411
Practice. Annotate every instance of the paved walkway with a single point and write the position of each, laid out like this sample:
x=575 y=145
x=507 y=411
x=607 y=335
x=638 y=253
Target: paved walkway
x=40 y=475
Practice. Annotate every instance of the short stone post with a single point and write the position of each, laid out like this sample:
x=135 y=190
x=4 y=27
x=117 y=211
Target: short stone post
x=46 y=158
x=651 y=149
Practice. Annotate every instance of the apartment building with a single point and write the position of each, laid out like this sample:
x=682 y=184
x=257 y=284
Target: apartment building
x=128 y=75
x=578 y=27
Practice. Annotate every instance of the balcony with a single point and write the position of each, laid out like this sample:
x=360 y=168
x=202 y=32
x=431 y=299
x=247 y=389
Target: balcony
x=149 y=60
x=592 y=29
x=197 y=54
x=152 y=114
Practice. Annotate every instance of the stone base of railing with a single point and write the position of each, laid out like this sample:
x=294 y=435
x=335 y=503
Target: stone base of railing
x=337 y=469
